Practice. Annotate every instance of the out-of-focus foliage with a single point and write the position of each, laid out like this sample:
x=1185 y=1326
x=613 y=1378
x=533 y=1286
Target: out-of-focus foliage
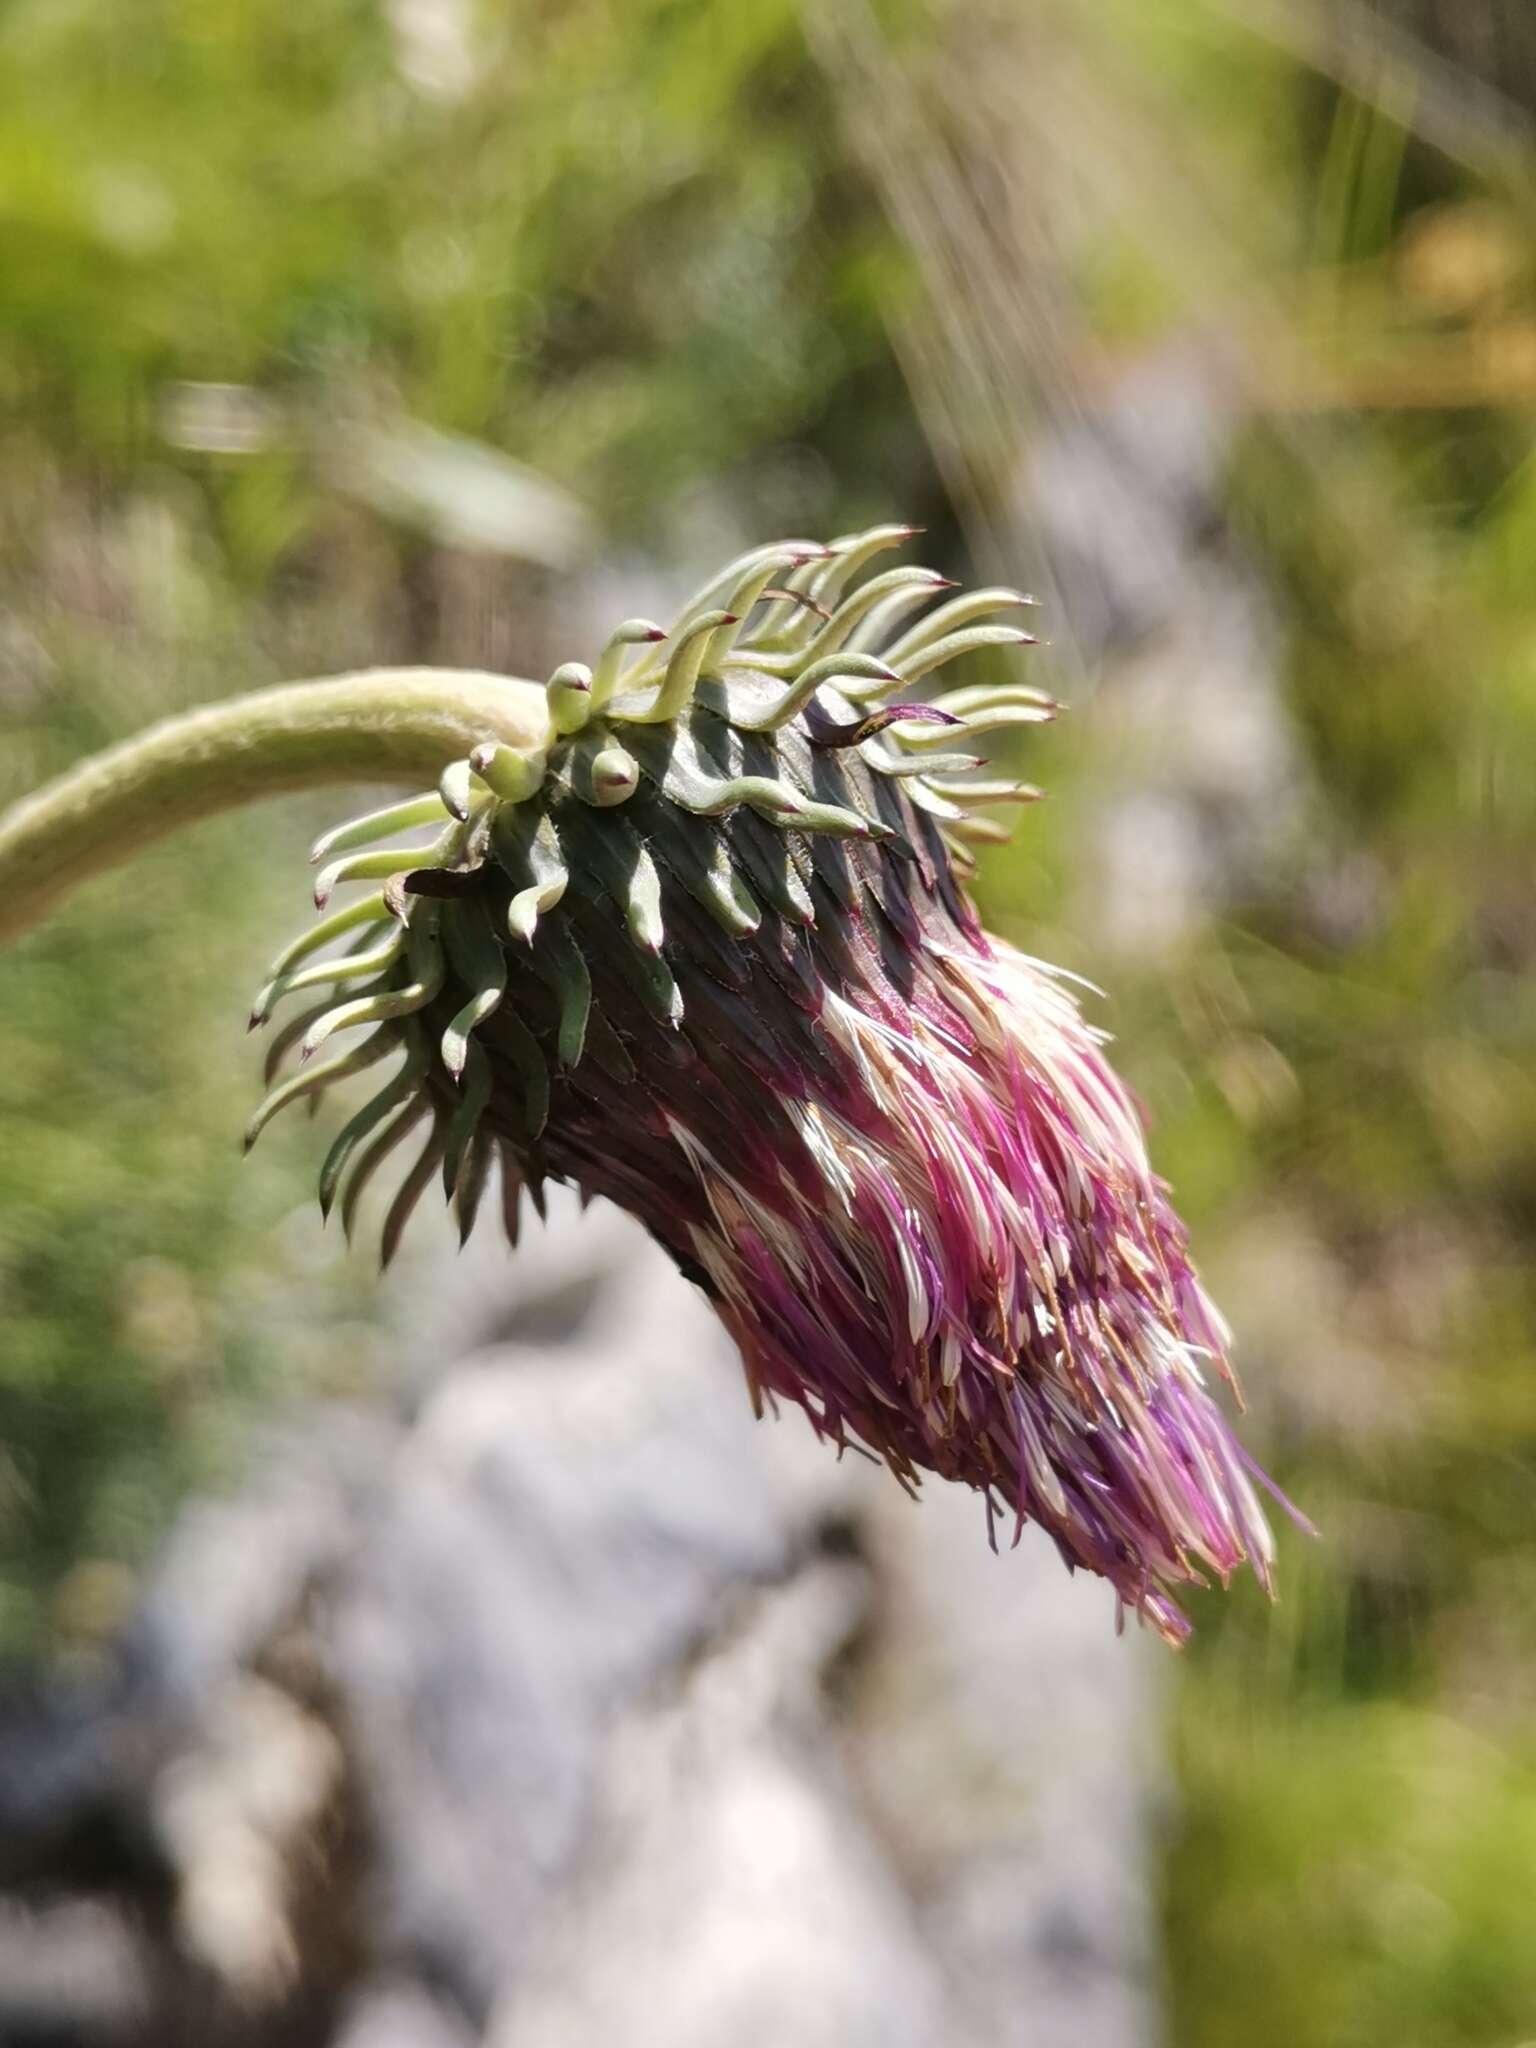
x=621 y=242
x=1341 y=1070
x=671 y=255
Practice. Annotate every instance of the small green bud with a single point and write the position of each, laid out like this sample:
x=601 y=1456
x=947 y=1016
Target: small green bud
x=513 y=776
x=569 y=691
x=615 y=776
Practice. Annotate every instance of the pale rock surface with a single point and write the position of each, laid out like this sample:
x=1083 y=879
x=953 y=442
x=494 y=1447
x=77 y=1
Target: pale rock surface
x=569 y=1704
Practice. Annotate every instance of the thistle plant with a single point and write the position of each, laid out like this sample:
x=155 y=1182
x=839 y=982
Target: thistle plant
x=689 y=928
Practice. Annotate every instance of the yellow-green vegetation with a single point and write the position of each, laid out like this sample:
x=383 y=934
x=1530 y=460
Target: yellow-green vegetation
x=156 y=1304
x=650 y=249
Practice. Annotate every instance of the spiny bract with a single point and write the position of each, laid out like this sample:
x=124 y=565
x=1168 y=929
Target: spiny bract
x=709 y=953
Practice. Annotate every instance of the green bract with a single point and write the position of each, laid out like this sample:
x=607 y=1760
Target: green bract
x=777 y=716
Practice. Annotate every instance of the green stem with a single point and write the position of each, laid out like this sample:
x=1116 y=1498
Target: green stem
x=384 y=725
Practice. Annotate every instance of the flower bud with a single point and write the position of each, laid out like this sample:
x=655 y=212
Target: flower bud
x=711 y=955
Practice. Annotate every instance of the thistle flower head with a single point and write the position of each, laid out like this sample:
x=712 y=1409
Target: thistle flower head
x=709 y=953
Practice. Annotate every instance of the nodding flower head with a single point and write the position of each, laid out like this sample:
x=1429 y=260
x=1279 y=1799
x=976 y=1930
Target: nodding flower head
x=709 y=953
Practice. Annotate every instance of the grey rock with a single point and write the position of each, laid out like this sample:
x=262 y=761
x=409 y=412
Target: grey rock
x=568 y=1703
x=74 y=1970
x=1008 y=1742
x=559 y=1528
x=731 y=1891
x=398 y=2013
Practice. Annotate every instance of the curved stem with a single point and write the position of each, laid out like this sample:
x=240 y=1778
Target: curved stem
x=383 y=725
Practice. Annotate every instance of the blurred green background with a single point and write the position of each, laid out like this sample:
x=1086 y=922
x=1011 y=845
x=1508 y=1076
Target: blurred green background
x=353 y=332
